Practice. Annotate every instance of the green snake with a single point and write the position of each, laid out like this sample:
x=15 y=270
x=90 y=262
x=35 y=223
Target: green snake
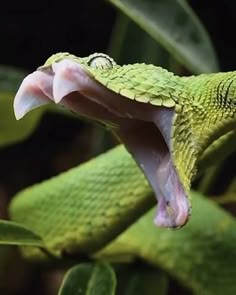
x=169 y=125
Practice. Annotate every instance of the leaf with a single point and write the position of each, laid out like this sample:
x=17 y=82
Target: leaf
x=102 y=280
x=174 y=25
x=12 y=233
x=11 y=130
x=88 y=279
x=76 y=280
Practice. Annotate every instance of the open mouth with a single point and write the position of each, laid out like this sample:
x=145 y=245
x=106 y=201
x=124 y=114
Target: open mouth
x=144 y=129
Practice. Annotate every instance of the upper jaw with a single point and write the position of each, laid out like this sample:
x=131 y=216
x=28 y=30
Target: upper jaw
x=144 y=129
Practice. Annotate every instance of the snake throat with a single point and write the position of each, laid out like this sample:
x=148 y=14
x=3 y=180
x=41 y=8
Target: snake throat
x=143 y=128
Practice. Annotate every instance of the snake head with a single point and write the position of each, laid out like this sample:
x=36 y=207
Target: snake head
x=135 y=101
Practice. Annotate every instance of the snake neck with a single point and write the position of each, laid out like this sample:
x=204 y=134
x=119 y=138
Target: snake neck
x=213 y=101
x=204 y=113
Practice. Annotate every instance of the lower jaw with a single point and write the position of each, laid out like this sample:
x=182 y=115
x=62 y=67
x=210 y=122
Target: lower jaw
x=147 y=146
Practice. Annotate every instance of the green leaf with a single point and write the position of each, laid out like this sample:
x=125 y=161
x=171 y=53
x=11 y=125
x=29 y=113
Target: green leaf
x=12 y=233
x=76 y=280
x=88 y=279
x=174 y=25
x=11 y=130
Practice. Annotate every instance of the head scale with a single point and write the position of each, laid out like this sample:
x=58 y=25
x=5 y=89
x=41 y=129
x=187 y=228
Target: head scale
x=96 y=60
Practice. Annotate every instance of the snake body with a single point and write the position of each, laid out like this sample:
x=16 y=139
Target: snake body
x=168 y=124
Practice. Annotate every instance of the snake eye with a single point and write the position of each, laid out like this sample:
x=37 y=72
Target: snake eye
x=101 y=61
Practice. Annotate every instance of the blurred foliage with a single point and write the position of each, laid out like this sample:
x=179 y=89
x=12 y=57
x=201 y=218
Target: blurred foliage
x=162 y=32
x=175 y=26
x=14 y=234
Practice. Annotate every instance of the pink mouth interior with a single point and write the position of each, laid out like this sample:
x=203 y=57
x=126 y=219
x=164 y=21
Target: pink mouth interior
x=144 y=129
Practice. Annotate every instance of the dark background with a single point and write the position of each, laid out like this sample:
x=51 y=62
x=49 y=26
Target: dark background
x=30 y=31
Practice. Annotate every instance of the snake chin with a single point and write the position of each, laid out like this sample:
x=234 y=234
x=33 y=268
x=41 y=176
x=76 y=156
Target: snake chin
x=144 y=129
